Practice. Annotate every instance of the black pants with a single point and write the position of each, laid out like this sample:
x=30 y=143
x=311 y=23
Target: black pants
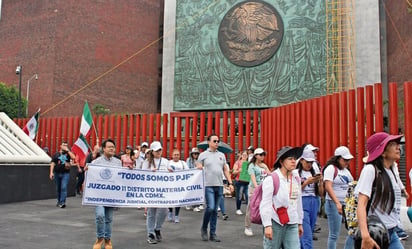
x=80 y=180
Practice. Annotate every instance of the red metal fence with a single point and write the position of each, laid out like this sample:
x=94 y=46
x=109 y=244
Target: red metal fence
x=345 y=118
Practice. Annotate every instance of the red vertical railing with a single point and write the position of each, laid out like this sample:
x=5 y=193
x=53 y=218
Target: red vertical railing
x=378 y=107
x=393 y=108
x=408 y=133
x=360 y=96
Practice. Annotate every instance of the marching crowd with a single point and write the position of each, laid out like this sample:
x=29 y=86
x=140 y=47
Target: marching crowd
x=291 y=199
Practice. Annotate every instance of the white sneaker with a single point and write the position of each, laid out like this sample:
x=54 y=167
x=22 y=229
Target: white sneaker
x=188 y=208
x=170 y=216
x=239 y=212
x=218 y=209
x=248 y=231
x=201 y=207
x=177 y=220
x=196 y=209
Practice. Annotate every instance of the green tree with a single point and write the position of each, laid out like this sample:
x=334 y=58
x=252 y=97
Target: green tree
x=99 y=109
x=9 y=101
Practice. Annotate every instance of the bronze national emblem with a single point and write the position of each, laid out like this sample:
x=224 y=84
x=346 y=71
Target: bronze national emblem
x=250 y=33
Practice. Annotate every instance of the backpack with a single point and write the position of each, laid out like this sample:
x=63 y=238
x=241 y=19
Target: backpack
x=244 y=174
x=351 y=205
x=254 y=202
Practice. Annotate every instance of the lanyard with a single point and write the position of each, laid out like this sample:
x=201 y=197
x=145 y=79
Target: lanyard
x=160 y=161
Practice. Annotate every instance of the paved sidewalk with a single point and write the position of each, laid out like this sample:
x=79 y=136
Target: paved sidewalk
x=41 y=225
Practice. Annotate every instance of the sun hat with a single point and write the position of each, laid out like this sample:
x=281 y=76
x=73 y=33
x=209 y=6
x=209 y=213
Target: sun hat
x=156 y=146
x=308 y=156
x=310 y=147
x=343 y=152
x=194 y=150
x=259 y=151
x=144 y=144
x=287 y=151
x=375 y=144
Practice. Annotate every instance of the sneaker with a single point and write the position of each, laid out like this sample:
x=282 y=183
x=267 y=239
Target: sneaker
x=225 y=216
x=218 y=209
x=62 y=205
x=314 y=237
x=203 y=234
x=201 y=207
x=239 y=212
x=170 y=216
x=248 y=231
x=403 y=236
x=158 y=236
x=177 y=220
x=196 y=209
x=188 y=208
x=151 y=239
x=214 y=238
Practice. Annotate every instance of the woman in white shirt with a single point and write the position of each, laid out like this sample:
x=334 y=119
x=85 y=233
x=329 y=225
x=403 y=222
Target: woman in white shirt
x=282 y=213
x=336 y=177
x=383 y=150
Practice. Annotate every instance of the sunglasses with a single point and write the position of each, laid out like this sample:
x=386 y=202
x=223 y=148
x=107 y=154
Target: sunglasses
x=261 y=154
x=216 y=141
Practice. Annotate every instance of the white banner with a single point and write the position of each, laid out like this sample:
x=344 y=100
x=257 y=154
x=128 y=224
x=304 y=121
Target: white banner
x=122 y=187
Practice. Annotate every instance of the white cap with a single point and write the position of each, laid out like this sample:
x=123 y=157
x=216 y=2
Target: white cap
x=308 y=156
x=344 y=152
x=144 y=144
x=155 y=146
x=310 y=147
x=259 y=151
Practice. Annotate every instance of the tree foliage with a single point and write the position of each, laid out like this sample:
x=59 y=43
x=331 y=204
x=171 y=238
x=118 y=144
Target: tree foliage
x=100 y=109
x=9 y=101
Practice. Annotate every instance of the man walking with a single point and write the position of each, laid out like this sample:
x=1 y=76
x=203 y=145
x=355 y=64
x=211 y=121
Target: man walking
x=213 y=163
x=104 y=215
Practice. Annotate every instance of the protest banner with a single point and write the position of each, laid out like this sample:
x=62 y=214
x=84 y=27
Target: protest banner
x=122 y=187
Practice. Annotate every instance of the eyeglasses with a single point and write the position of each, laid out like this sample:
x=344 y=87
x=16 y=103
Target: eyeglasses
x=216 y=141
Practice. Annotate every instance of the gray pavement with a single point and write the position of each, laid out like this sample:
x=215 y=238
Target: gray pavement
x=41 y=225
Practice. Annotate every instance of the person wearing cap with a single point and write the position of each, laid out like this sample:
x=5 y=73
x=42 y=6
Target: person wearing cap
x=282 y=213
x=155 y=216
x=316 y=166
x=384 y=198
x=128 y=158
x=103 y=214
x=177 y=165
x=142 y=155
x=312 y=188
x=336 y=177
x=191 y=164
x=257 y=170
x=213 y=163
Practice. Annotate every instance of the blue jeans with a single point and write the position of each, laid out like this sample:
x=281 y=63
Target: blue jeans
x=334 y=223
x=286 y=237
x=394 y=242
x=104 y=218
x=61 y=180
x=241 y=189
x=310 y=213
x=213 y=196
x=155 y=219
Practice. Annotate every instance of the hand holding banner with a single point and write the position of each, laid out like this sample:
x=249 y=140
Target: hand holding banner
x=120 y=187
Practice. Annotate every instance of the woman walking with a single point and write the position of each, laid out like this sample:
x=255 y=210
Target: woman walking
x=337 y=178
x=257 y=170
x=384 y=198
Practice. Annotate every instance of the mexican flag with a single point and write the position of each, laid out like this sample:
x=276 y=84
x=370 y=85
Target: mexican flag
x=32 y=126
x=81 y=147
